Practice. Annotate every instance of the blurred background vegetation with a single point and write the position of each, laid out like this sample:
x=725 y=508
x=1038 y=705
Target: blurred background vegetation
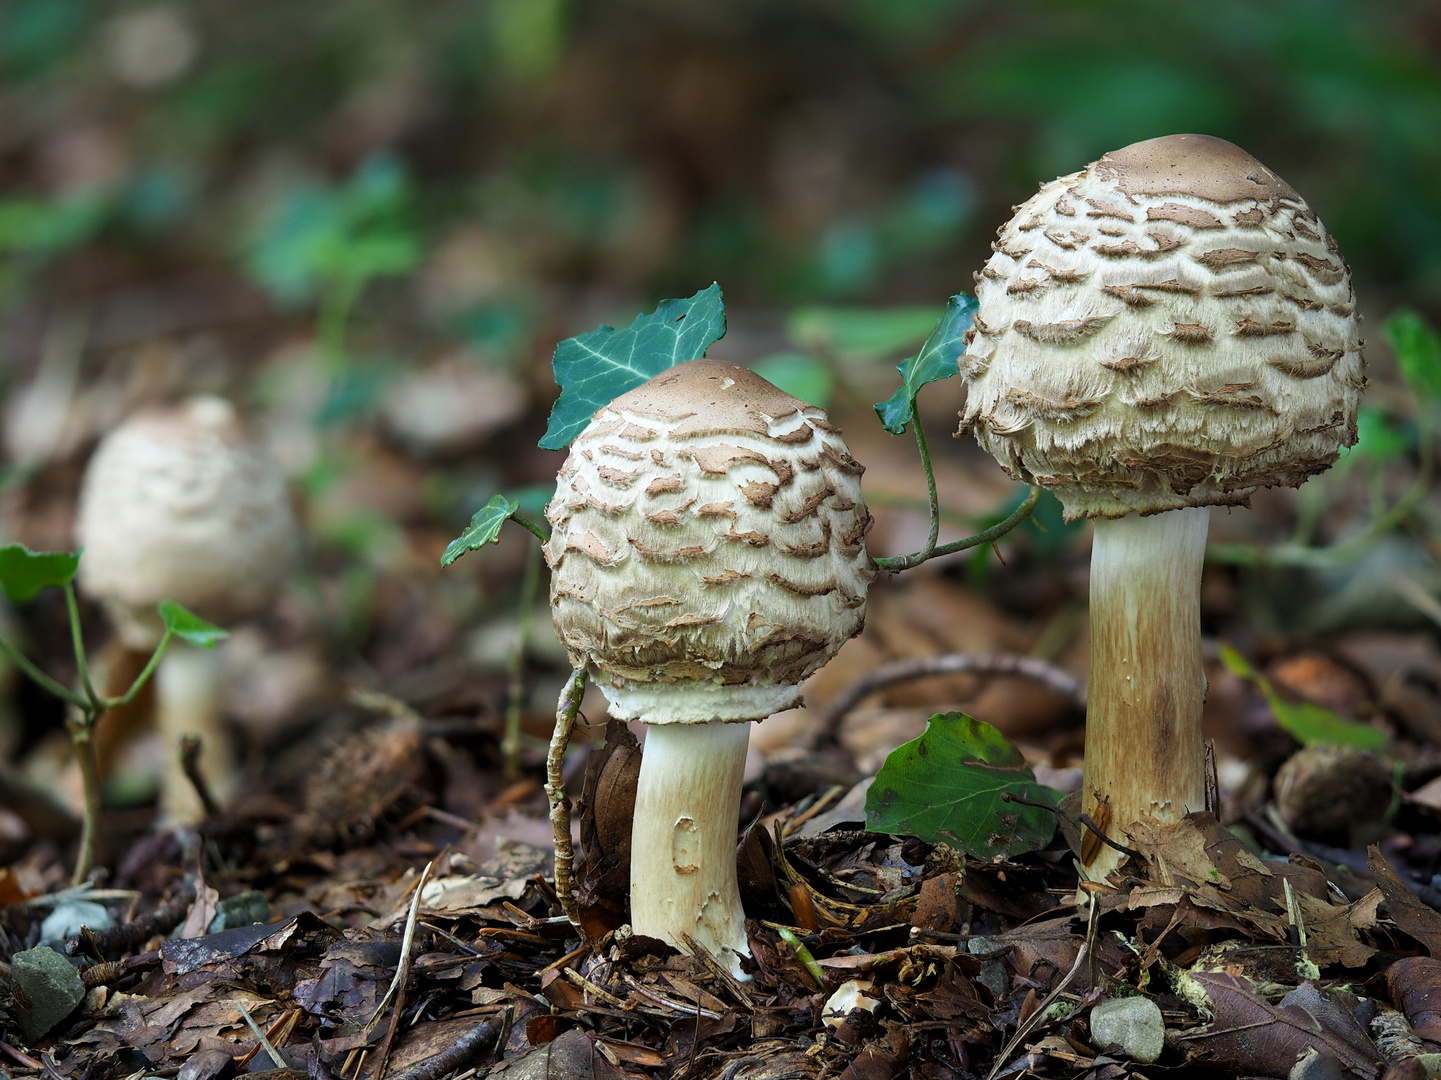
x=369 y=221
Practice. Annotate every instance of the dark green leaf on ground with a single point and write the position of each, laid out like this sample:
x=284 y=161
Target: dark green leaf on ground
x=1308 y=723
x=935 y=361
x=483 y=529
x=947 y=787
x=188 y=626
x=597 y=367
x=23 y=572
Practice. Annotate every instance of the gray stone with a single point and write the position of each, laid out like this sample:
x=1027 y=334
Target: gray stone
x=50 y=986
x=243 y=909
x=69 y=916
x=1134 y=1024
x=995 y=976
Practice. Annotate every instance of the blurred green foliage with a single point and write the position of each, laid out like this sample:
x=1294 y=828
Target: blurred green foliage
x=800 y=150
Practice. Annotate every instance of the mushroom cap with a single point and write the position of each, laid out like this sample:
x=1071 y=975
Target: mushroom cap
x=1171 y=326
x=177 y=504
x=707 y=547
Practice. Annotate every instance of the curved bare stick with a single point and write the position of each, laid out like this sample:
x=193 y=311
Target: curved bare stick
x=827 y=729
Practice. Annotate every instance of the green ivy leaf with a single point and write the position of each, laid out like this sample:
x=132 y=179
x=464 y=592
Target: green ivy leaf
x=23 y=572
x=860 y=335
x=1307 y=723
x=483 y=529
x=188 y=626
x=946 y=787
x=935 y=361
x=595 y=368
x=1418 y=352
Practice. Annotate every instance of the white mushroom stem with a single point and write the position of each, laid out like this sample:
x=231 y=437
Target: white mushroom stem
x=187 y=703
x=1145 y=755
x=683 y=840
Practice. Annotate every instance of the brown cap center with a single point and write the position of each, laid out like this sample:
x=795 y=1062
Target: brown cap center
x=1201 y=166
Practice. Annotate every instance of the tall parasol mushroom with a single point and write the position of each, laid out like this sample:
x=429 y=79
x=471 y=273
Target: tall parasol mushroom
x=1169 y=329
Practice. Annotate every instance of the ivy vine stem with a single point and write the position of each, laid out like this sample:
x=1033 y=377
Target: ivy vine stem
x=897 y=563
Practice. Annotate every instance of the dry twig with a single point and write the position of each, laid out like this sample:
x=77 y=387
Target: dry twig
x=827 y=730
x=565 y=714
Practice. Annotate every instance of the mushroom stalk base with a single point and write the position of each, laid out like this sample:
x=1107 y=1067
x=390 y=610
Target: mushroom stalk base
x=1145 y=755
x=683 y=840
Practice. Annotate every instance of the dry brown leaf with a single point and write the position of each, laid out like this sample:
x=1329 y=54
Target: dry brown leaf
x=1255 y=1037
x=1406 y=911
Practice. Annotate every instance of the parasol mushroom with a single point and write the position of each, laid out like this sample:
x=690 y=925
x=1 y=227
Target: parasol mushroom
x=1169 y=329
x=707 y=555
x=178 y=504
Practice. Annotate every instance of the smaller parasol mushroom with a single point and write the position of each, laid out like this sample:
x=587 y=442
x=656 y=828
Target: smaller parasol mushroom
x=708 y=554
x=178 y=504
x=1167 y=330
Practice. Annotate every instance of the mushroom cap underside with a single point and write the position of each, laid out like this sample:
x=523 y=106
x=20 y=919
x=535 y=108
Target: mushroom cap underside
x=1171 y=326
x=708 y=547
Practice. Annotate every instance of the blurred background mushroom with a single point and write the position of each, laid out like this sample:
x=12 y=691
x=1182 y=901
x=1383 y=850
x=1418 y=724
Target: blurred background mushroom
x=179 y=504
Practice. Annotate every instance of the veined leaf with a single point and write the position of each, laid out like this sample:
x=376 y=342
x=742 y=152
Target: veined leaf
x=595 y=368
x=23 y=572
x=935 y=361
x=188 y=626
x=946 y=787
x=1307 y=723
x=483 y=529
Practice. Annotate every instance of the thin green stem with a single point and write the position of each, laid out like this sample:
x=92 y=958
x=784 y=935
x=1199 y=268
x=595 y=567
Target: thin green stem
x=529 y=586
x=897 y=563
x=525 y=522
x=82 y=737
x=331 y=321
x=932 y=497
x=144 y=676
x=64 y=693
x=1321 y=558
x=72 y=608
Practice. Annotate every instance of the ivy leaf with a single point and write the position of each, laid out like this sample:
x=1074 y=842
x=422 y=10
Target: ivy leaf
x=1418 y=352
x=946 y=787
x=1307 y=723
x=188 y=626
x=23 y=572
x=595 y=368
x=483 y=529
x=935 y=361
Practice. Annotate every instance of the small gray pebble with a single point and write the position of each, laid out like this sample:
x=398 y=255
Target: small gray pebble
x=1313 y=1065
x=995 y=977
x=243 y=909
x=69 y=916
x=208 y=1065
x=50 y=984
x=1134 y=1024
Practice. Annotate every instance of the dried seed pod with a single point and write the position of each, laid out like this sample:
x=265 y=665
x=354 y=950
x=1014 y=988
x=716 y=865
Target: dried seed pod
x=1171 y=326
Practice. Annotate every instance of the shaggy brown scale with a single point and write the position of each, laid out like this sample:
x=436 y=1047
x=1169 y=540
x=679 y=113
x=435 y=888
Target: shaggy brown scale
x=1171 y=326
x=708 y=544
